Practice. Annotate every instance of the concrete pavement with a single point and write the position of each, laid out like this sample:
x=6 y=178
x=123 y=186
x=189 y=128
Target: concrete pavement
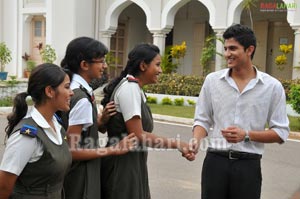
x=164 y=118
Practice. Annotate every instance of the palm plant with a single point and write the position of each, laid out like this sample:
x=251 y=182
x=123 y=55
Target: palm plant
x=247 y=4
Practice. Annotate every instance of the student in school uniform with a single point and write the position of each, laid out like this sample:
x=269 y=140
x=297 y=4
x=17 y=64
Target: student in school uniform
x=36 y=157
x=85 y=60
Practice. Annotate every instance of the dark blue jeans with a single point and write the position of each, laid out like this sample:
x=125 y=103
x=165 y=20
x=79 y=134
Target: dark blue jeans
x=223 y=178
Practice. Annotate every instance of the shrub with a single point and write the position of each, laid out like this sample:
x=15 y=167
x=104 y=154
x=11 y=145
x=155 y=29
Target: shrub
x=179 y=101
x=191 y=102
x=30 y=65
x=5 y=56
x=48 y=54
x=176 y=84
x=190 y=85
x=151 y=100
x=9 y=101
x=6 y=101
x=172 y=53
x=166 y=101
x=167 y=65
x=287 y=84
x=13 y=81
x=294 y=96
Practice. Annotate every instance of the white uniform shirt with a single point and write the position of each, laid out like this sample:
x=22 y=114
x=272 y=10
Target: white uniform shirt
x=82 y=112
x=21 y=149
x=128 y=99
x=220 y=104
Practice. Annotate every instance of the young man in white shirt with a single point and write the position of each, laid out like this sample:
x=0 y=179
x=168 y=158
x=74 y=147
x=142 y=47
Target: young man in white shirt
x=233 y=109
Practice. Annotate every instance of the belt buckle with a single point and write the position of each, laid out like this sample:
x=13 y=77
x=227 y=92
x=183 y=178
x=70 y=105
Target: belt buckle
x=231 y=157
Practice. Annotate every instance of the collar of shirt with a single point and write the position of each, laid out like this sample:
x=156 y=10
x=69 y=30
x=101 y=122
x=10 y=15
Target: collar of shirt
x=77 y=80
x=226 y=76
x=128 y=75
x=259 y=77
x=41 y=121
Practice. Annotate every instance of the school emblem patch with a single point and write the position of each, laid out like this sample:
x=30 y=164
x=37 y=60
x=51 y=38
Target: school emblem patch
x=29 y=130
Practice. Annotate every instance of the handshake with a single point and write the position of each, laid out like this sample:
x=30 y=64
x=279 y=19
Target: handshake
x=189 y=150
x=133 y=143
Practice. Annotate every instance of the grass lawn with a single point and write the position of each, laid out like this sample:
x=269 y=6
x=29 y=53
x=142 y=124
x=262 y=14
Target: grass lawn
x=294 y=123
x=172 y=110
x=188 y=112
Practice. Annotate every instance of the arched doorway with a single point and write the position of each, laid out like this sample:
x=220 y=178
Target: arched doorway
x=192 y=26
x=131 y=30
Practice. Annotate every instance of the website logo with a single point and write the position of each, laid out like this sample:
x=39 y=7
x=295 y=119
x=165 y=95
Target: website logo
x=277 y=7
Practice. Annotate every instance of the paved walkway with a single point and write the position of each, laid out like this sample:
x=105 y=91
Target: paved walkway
x=164 y=118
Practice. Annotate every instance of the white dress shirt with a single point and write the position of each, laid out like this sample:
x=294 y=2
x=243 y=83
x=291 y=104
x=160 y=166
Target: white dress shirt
x=82 y=112
x=21 y=149
x=261 y=103
x=128 y=99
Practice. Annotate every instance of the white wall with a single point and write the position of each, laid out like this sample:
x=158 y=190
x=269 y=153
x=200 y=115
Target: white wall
x=135 y=19
x=183 y=31
x=68 y=19
x=9 y=32
x=63 y=22
x=261 y=29
x=280 y=30
x=156 y=7
x=85 y=18
x=184 y=26
x=1 y=20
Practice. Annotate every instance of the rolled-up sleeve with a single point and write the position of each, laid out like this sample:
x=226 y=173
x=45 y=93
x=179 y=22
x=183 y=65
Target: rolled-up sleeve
x=278 y=116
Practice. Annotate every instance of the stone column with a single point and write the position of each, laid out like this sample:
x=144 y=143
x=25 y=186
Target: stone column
x=296 y=59
x=105 y=36
x=10 y=30
x=219 y=60
x=159 y=39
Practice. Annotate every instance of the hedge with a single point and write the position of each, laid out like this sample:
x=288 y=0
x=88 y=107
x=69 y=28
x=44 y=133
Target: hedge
x=176 y=84
x=190 y=85
x=287 y=84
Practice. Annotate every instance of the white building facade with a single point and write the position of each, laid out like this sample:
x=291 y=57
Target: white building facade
x=27 y=25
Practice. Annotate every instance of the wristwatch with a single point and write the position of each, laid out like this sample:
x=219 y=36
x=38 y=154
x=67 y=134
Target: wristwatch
x=247 y=137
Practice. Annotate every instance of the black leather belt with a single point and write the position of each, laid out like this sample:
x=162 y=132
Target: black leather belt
x=235 y=155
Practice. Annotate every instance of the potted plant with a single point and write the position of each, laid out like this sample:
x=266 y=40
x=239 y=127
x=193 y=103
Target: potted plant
x=30 y=65
x=5 y=58
x=48 y=54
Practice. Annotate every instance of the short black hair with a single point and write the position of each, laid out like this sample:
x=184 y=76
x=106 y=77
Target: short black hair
x=242 y=34
x=82 y=48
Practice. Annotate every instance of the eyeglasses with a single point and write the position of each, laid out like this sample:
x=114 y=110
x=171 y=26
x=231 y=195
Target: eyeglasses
x=97 y=61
